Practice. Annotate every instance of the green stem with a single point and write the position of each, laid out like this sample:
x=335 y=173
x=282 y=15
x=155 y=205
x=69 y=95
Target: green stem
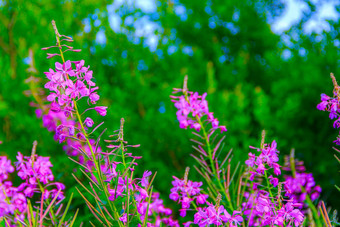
x=47 y=201
x=312 y=207
x=210 y=154
x=268 y=186
x=99 y=177
x=212 y=163
x=99 y=174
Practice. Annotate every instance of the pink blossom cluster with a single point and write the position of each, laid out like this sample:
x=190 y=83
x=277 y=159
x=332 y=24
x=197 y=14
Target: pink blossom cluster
x=332 y=106
x=266 y=160
x=34 y=171
x=162 y=215
x=139 y=189
x=216 y=215
x=305 y=180
x=263 y=210
x=263 y=207
x=12 y=200
x=67 y=84
x=64 y=129
x=185 y=192
x=192 y=107
x=294 y=185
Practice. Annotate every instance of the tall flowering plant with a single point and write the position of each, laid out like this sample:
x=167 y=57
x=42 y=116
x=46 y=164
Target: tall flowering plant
x=331 y=104
x=120 y=197
x=255 y=194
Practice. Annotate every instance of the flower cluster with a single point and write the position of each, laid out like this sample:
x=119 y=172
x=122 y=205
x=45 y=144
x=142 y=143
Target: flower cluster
x=191 y=108
x=12 y=201
x=263 y=210
x=65 y=128
x=186 y=191
x=295 y=184
x=38 y=178
x=157 y=210
x=301 y=185
x=266 y=160
x=216 y=215
x=121 y=186
x=67 y=84
x=263 y=207
x=35 y=170
x=332 y=105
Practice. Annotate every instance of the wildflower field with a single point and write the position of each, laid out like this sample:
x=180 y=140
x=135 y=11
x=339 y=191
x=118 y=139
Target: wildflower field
x=169 y=113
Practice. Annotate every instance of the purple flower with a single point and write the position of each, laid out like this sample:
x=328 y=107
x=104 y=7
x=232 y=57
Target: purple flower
x=186 y=202
x=174 y=196
x=145 y=178
x=123 y=218
x=5 y=168
x=65 y=68
x=94 y=97
x=201 y=198
x=234 y=220
x=267 y=158
x=89 y=122
x=193 y=188
x=186 y=192
x=324 y=97
x=251 y=161
x=290 y=214
x=192 y=108
x=274 y=181
x=101 y=110
x=210 y=216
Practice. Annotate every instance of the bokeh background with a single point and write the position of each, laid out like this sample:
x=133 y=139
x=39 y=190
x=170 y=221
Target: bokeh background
x=262 y=63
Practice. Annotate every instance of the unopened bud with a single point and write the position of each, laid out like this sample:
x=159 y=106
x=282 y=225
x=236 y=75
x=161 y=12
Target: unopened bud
x=218 y=200
x=186 y=175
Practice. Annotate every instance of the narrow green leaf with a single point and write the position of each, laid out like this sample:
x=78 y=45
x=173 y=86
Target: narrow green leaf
x=65 y=212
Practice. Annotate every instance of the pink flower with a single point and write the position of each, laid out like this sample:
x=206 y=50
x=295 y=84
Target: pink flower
x=65 y=68
x=123 y=218
x=89 y=122
x=195 y=106
x=5 y=168
x=274 y=181
x=201 y=199
x=145 y=178
x=101 y=110
x=234 y=220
